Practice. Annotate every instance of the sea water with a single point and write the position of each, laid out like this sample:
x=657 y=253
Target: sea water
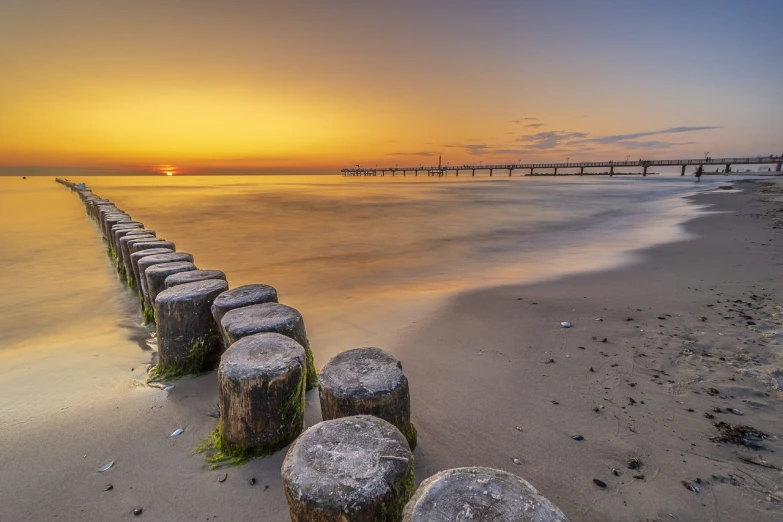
x=363 y=259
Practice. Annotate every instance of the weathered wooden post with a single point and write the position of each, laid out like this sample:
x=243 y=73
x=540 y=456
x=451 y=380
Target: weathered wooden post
x=102 y=209
x=354 y=469
x=479 y=494
x=125 y=252
x=194 y=275
x=135 y=247
x=270 y=317
x=123 y=225
x=115 y=215
x=121 y=232
x=261 y=380
x=156 y=276
x=111 y=241
x=114 y=250
x=367 y=381
x=188 y=340
x=240 y=297
x=112 y=219
x=143 y=264
x=147 y=251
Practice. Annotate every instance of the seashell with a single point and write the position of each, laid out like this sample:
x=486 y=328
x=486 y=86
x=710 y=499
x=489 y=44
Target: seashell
x=178 y=432
x=106 y=466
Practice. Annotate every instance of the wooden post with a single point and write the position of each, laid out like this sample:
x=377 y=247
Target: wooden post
x=136 y=249
x=261 y=381
x=111 y=241
x=240 y=297
x=270 y=317
x=188 y=339
x=193 y=276
x=146 y=262
x=357 y=469
x=157 y=274
x=479 y=494
x=124 y=250
x=367 y=381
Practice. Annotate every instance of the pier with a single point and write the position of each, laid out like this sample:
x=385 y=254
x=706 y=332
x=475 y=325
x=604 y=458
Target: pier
x=572 y=168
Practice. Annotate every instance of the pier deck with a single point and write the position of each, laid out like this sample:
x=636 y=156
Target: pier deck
x=552 y=168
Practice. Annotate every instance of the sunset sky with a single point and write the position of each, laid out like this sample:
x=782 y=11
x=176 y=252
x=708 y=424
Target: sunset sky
x=237 y=86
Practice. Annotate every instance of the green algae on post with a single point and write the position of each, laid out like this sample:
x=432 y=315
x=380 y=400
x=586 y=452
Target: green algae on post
x=212 y=449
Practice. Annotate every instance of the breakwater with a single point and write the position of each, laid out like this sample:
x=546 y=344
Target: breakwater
x=355 y=465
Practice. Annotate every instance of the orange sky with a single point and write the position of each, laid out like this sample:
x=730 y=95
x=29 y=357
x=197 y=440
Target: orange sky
x=238 y=85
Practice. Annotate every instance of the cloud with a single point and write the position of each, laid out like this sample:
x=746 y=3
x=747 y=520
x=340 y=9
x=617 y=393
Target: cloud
x=530 y=119
x=519 y=122
x=607 y=140
x=420 y=153
x=567 y=142
x=550 y=139
x=478 y=149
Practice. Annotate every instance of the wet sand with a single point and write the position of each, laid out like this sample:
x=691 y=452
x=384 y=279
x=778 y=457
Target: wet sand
x=485 y=373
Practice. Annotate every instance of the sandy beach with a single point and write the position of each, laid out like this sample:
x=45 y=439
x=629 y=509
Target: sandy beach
x=659 y=352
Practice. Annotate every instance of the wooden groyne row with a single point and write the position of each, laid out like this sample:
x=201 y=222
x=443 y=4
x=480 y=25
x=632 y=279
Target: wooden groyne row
x=354 y=466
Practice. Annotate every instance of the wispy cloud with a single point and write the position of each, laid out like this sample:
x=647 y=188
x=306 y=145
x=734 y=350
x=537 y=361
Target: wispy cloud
x=568 y=142
x=557 y=139
x=477 y=149
x=519 y=121
x=626 y=137
x=550 y=139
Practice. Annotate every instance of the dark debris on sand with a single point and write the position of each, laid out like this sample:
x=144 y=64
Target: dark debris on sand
x=738 y=434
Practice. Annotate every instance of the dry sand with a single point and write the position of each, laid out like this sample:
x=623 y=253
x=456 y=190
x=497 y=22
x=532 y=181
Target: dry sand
x=495 y=378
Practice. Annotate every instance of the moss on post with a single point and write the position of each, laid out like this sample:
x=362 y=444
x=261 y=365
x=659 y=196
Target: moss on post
x=214 y=454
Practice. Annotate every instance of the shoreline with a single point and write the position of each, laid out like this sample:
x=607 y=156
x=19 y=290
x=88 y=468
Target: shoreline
x=495 y=362
x=467 y=401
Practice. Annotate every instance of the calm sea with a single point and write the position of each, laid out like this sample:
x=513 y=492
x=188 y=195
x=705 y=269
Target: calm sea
x=362 y=259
